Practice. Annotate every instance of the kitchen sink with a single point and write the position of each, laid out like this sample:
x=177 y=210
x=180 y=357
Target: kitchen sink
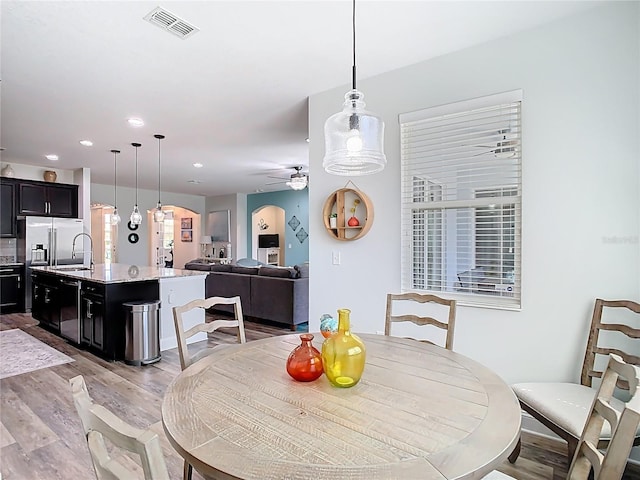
x=72 y=268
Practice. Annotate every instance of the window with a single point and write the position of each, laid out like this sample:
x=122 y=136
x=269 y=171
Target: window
x=461 y=200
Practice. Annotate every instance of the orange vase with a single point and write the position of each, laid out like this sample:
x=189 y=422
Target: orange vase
x=305 y=361
x=353 y=222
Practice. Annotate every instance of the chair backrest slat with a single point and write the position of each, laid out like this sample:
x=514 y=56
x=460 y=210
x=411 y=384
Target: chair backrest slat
x=98 y=423
x=595 y=344
x=186 y=358
x=624 y=425
x=448 y=325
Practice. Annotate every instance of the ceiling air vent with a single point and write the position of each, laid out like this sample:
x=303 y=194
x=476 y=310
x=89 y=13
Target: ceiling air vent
x=170 y=22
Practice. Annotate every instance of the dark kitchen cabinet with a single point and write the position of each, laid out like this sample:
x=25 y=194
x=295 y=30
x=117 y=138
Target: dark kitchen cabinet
x=45 y=305
x=11 y=288
x=7 y=208
x=46 y=199
x=92 y=318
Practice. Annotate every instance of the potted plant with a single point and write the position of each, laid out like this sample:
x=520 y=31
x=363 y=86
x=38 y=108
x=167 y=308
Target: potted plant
x=333 y=220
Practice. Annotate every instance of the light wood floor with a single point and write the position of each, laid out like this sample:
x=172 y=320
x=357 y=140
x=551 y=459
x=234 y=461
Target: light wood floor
x=41 y=436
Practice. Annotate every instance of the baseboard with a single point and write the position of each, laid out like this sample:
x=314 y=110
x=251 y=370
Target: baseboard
x=531 y=425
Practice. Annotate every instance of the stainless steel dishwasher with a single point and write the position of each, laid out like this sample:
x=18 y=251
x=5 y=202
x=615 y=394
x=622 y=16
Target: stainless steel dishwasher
x=70 y=310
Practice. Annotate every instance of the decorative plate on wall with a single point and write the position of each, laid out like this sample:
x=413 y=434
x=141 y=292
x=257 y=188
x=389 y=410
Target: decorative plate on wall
x=132 y=226
x=133 y=238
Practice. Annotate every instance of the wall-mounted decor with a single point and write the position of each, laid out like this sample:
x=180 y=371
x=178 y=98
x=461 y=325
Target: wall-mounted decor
x=262 y=225
x=294 y=223
x=302 y=235
x=186 y=235
x=347 y=213
x=133 y=238
x=186 y=223
x=132 y=226
x=219 y=226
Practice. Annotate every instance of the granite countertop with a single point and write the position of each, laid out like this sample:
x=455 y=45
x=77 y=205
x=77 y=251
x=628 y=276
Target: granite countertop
x=120 y=273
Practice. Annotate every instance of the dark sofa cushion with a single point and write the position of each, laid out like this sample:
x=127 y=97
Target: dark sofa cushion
x=244 y=270
x=219 y=267
x=280 y=272
x=303 y=270
x=198 y=266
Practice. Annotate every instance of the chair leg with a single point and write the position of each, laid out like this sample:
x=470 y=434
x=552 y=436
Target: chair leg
x=187 y=470
x=516 y=452
x=572 y=446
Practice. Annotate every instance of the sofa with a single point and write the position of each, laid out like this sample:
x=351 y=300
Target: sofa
x=275 y=294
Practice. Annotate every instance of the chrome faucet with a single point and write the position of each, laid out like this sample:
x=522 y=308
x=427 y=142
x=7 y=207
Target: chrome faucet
x=73 y=247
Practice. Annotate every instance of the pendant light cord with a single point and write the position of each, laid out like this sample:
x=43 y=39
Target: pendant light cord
x=158 y=170
x=136 y=175
x=115 y=177
x=353 y=70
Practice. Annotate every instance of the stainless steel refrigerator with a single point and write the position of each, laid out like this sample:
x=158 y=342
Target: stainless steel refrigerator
x=48 y=241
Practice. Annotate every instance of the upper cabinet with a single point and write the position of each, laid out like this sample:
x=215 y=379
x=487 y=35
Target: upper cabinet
x=47 y=199
x=7 y=208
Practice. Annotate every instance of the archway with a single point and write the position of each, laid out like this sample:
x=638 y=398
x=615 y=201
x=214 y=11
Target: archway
x=176 y=240
x=268 y=219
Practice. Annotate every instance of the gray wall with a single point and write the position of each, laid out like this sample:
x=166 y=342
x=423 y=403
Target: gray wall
x=237 y=206
x=580 y=78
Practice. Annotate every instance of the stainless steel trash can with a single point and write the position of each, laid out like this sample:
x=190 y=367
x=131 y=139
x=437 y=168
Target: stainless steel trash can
x=142 y=333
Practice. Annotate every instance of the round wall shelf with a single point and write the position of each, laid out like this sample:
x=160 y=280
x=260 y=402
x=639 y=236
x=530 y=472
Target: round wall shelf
x=340 y=203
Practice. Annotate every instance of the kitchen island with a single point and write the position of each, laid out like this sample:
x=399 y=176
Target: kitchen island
x=85 y=306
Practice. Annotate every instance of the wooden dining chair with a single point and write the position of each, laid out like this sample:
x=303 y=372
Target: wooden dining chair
x=563 y=407
x=178 y=312
x=99 y=423
x=448 y=324
x=622 y=420
x=185 y=358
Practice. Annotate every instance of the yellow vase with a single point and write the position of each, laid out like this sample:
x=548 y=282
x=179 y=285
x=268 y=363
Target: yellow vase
x=343 y=354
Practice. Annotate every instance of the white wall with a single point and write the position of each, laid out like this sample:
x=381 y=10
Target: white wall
x=581 y=184
x=138 y=253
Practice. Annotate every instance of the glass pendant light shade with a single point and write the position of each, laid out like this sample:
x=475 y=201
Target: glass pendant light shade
x=115 y=217
x=158 y=214
x=136 y=218
x=354 y=139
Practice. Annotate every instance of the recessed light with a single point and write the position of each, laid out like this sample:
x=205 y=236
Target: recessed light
x=51 y=157
x=194 y=181
x=136 y=122
x=86 y=143
x=307 y=139
x=198 y=165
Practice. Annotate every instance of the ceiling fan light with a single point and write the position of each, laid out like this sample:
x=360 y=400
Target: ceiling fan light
x=297 y=182
x=354 y=139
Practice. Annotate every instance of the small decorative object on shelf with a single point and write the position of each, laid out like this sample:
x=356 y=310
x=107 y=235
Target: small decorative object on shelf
x=328 y=325
x=8 y=172
x=353 y=222
x=343 y=354
x=333 y=220
x=305 y=361
x=50 y=176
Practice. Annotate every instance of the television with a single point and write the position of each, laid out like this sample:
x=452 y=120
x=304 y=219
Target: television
x=268 y=240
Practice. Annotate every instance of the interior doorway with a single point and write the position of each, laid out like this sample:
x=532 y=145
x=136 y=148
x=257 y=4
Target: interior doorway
x=174 y=241
x=268 y=220
x=103 y=234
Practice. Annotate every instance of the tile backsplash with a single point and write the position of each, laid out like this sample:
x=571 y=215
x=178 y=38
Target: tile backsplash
x=7 y=250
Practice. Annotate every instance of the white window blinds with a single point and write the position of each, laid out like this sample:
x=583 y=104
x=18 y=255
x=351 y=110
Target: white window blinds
x=461 y=200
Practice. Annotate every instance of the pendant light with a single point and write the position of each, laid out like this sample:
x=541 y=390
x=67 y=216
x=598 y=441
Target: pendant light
x=136 y=218
x=115 y=216
x=158 y=214
x=354 y=137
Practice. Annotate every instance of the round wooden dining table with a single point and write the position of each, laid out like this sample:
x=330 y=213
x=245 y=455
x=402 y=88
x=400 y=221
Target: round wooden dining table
x=419 y=412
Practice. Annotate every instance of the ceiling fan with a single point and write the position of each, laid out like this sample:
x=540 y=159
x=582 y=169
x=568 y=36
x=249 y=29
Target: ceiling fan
x=505 y=147
x=297 y=180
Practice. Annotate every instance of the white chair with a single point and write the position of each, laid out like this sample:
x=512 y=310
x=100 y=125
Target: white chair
x=564 y=407
x=98 y=423
x=447 y=324
x=185 y=358
x=622 y=422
